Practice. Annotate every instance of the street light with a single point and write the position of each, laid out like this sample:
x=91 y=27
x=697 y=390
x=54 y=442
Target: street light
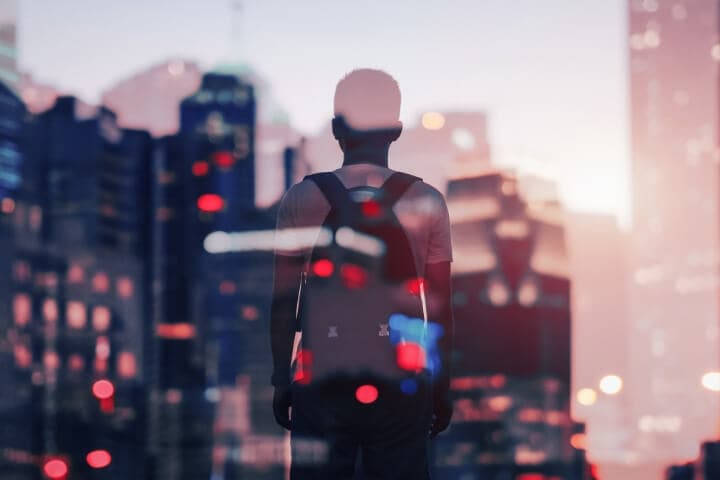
x=611 y=384
x=711 y=381
x=586 y=396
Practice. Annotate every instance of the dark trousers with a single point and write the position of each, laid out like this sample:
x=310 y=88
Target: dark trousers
x=333 y=435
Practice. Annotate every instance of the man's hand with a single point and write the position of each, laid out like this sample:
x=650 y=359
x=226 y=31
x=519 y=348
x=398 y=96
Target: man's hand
x=442 y=412
x=282 y=400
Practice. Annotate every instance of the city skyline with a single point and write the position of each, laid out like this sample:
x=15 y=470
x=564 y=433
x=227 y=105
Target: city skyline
x=542 y=125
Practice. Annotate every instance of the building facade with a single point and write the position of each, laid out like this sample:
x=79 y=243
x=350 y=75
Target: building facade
x=511 y=366
x=674 y=251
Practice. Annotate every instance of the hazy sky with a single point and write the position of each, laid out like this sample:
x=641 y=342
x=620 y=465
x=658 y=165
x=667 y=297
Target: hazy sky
x=551 y=74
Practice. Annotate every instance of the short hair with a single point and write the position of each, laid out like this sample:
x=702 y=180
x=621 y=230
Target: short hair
x=368 y=99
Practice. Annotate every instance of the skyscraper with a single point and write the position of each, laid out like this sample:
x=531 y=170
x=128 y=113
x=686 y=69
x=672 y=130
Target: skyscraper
x=511 y=296
x=674 y=52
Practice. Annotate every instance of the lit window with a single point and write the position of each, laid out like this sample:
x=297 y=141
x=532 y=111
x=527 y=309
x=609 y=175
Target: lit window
x=124 y=287
x=498 y=292
x=650 y=5
x=76 y=274
x=715 y=52
x=21 y=271
x=101 y=318
x=51 y=360
x=35 y=218
x=7 y=206
x=176 y=331
x=50 y=310
x=76 y=362
x=100 y=365
x=250 y=312
x=679 y=12
x=102 y=347
x=47 y=280
x=126 y=365
x=23 y=356
x=651 y=38
x=76 y=315
x=22 y=309
x=227 y=287
x=100 y=282
x=528 y=292
x=512 y=229
x=637 y=41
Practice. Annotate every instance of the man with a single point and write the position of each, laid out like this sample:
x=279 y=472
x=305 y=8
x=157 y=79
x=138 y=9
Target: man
x=389 y=435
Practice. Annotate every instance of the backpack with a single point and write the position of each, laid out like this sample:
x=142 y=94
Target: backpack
x=361 y=307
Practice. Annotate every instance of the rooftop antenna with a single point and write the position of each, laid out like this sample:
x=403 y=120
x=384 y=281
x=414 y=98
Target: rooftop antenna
x=236 y=41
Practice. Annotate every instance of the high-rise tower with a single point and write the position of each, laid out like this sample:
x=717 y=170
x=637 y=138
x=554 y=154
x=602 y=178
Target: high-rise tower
x=674 y=51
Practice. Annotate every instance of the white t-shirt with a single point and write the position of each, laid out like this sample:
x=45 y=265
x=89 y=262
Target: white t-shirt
x=421 y=211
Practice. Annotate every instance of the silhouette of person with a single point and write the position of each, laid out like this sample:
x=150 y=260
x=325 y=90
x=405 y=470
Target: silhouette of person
x=334 y=432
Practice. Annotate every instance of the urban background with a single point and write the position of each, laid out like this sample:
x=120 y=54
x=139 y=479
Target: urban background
x=134 y=345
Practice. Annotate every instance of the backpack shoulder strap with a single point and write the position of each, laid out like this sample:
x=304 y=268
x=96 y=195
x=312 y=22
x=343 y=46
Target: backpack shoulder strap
x=335 y=193
x=396 y=185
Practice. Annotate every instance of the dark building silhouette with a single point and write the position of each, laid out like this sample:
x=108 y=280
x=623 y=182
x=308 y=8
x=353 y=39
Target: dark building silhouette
x=210 y=413
x=511 y=295
x=80 y=277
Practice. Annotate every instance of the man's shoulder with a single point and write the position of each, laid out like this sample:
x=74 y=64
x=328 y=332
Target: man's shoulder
x=302 y=190
x=424 y=190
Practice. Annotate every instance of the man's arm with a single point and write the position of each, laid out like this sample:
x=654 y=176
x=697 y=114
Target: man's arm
x=438 y=286
x=283 y=326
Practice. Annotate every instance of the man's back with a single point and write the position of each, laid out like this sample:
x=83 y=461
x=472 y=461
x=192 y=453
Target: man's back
x=421 y=211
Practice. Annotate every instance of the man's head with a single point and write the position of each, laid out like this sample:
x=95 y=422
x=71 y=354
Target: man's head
x=367 y=107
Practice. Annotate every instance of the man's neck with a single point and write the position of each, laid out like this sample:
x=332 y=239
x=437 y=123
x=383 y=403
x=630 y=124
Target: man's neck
x=376 y=155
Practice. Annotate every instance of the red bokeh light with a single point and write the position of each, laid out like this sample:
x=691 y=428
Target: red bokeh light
x=98 y=458
x=531 y=476
x=223 y=159
x=103 y=389
x=414 y=286
x=200 y=169
x=303 y=371
x=371 y=208
x=366 y=394
x=353 y=276
x=210 y=202
x=55 y=468
x=410 y=356
x=323 y=268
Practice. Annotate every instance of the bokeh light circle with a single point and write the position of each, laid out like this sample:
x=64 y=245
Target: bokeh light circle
x=366 y=394
x=586 y=396
x=611 y=384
